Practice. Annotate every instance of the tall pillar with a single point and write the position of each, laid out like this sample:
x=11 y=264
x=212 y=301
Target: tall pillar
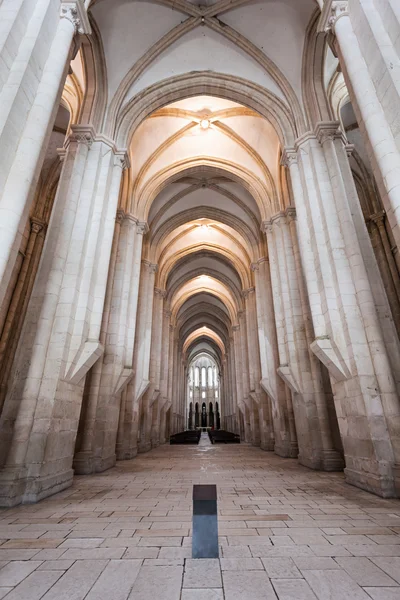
x=298 y=366
x=271 y=383
x=61 y=337
x=112 y=373
x=351 y=333
x=370 y=64
x=32 y=76
x=142 y=350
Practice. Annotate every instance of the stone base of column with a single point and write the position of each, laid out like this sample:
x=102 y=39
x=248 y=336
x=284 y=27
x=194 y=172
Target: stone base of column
x=12 y=487
x=126 y=454
x=379 y=485
x=311 y=462
x=145 y=447
x=86 y=464
x=103 y=464
x=332 y=461
x=286 y=450
x=396 y=478
x=83 y=463
x=42 y=487
x=268 y=446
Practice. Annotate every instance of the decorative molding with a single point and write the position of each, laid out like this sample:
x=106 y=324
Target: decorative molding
x=76 y=13
x=235 y=327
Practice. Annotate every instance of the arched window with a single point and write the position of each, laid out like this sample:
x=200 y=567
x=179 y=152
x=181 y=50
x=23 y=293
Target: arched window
x=196 y=377
x=203 y=377
x=210 y=377
x=215 y=377
x=191 y=376
x=216 y=393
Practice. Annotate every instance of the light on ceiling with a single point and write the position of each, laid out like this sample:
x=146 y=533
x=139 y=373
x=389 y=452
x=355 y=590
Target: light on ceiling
x=204 y=124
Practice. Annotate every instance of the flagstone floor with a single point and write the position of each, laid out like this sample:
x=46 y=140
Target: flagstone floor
x=285 y=532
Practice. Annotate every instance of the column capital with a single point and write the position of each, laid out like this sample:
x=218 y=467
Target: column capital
x=120 y=216
x=266 y=227
x=255 y=266
x=378 y=217
x=151 y=266
x=289 y=157
x=122 y=159
x=329 y=130
x=37 y=225
x=141 y=227
x=246 y=293
x=235 y=327
x=332 y=11
x=82 y=134
x=160 y=292
x=291 y=214
x=76 y=13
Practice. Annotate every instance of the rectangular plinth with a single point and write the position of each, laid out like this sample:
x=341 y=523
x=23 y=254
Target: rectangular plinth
x=205 y=522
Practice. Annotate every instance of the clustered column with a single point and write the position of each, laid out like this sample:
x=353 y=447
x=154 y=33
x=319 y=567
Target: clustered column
x=352 y=334
x=32 y=75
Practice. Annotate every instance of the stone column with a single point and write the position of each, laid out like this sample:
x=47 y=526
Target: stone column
x=297 y=366
x=350 y=336
x=33 y=76
x=114 y=370
x=61 y=336
x=143 y=348
x=19 y=300
x=370 y=64
x=165 y=373
x=271 y=383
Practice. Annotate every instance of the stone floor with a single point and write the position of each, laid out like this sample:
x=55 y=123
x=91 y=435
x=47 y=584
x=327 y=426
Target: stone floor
x=285 y=532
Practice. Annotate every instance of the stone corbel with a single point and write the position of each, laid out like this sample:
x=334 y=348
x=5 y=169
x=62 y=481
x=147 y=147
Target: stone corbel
x=76 y=13
x=255 y=397
x=143 y=387
x=123 y=379
x=85 y=358
x=329 y=354
x=154 y=397
x=285 y=372
x=266 y=386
